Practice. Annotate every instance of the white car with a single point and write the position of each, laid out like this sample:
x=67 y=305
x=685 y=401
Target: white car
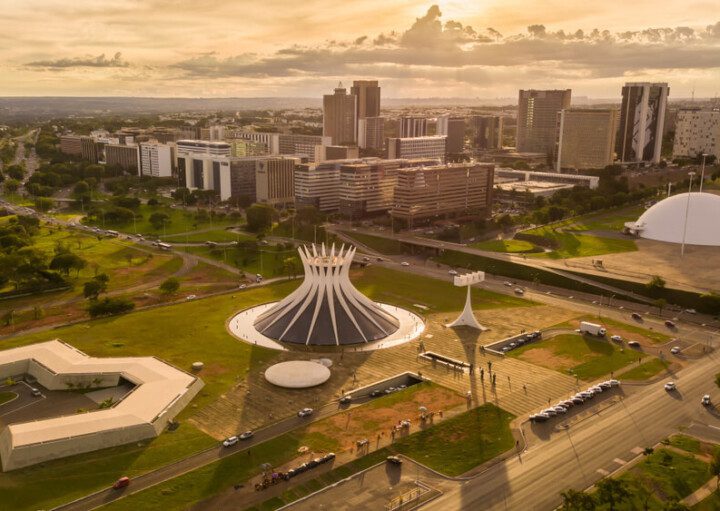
x=675 y=350
x=305 y=412
x=691 y=311
x=452 y=272
x=229 y=442
x=190 y=297
x=404 y=263
x=706 y=400
x=669 y=386
x=616 y=338
x=519 y=291
x=246 y=435
x=614 y=383
x=508 y=284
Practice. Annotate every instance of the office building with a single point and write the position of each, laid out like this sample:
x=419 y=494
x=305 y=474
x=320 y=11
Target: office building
x=454 y=129
x=155 y=160
x=642 y=118
x=91 y=150
x=274 y=181
x=443 y=191
x=242 y=148
x=537 y=119
x=214 y=133
x=412 y=127
x=335 y=152
x=124 y=156
x=301 y=144
x=586 y=138
x=487 y=131
x=318 y=184
x=206 y=147
x=71 y=144
x=206 y=172
x=243 y=187
x=371 y=133
x=417 y=147
x=508 y=175
x=339 y=120
x=697 y=132
x=270 y=140
x=368 y=98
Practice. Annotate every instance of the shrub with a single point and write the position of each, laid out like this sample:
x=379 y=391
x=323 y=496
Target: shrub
x=110 y=306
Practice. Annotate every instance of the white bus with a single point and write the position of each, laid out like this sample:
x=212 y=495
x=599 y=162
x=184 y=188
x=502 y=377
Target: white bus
x=164 y=246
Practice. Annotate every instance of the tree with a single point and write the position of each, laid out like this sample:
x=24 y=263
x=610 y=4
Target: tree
x=15 y=172
x=574 y=500
x=159 y=219
x=656 y=283
x=612 y=492
x=67 y=261
x=44 y=204
x=94 y=287
x=259 y=217
x=170 y=286
x=290 y=266
x=11 y=185
x=660 y=303
x=110 y=306
x=715 y=466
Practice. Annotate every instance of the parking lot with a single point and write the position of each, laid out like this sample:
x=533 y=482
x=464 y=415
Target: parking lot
x=48 y=404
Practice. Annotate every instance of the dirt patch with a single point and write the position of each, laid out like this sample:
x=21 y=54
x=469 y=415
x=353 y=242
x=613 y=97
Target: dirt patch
x=546 y=358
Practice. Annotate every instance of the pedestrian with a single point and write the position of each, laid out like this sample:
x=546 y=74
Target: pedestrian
x=508 y=378
x=489 y=366
x=524 y=388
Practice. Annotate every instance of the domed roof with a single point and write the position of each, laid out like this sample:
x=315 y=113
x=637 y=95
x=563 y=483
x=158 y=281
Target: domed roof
x=665 y=221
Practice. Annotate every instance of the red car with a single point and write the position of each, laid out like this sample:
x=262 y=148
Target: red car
x=123 y=482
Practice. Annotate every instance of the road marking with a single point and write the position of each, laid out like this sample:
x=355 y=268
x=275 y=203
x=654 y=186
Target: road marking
x=619 y=461
x=603 y=472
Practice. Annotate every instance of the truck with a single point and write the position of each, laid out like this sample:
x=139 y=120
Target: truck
x=592 y=329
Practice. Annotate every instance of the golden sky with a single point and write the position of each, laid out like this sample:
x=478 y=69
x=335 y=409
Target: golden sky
x=240 y=48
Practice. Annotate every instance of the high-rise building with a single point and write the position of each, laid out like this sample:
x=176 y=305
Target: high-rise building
x=203 y=147
x=441 y=191
x=697 y=132
x=642 y=118
x=487 y=131
x=586 y=138
x=454 y=129
x=214 y=133
x=291 y=144
x=155 y=160
x=537 y=119
x=275 y=181
x=412 y=127
x=371 y=132
x=417 y=147
x=124 y=156
x=339 y=121
x=71 y=144
x=368 y=98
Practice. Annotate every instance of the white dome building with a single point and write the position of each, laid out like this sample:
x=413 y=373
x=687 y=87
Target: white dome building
x=665 y=221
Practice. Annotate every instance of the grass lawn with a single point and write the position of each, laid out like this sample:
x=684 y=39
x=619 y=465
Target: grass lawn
x=459 y=444
x=6 y=396
x=662 y=477
x=583 y=356
x=269 y=262
x=377 y=243
x=217 y=235
x=645 y=370
x=581 y=245
x=613 y=220
x=651 y=335
x=511 y=246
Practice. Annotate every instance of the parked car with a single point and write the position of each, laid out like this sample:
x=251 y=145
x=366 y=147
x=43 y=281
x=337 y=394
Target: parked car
x=614 y=383
x=345 y=400
x=247 y=434
x=675 y=350
x=706 y=400
x=305 y=412
x=123 y=482
x=669 y=324
x=604 y=385
x=452 y=272
x=35 y=392
x=230 y=441
x=670 y=386
x=539 y=417
x=395 y=460
x=633 y=344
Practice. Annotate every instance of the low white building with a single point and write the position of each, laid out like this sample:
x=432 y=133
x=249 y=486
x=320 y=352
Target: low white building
x=161 y=391
x=155 y=160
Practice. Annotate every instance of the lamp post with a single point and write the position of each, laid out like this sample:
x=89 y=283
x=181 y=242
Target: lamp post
x=687 y=211
x=702 y=171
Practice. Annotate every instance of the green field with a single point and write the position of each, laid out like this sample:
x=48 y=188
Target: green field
x=613 y=220
x=645 y=370
x=583 y=356
x=6 y=396
x=569 y=244
x=461 y=443
x=509 y=246
x=269 y=262
x=216 y=235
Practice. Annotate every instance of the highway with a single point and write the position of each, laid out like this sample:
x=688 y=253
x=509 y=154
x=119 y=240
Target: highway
x=585 y=453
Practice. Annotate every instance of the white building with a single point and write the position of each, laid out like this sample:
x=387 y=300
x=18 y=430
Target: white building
x=697 y=132
x=206 y=172
x=270 y=140
x=417 y=147
x=155 y=160
x=412 y=127
x=203 y=147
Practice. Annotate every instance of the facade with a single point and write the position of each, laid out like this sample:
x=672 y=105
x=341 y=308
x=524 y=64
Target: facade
x=451 y=190
x=642 y=120
x=215 y=133
x=91 y=150
x=487 y=131
x=275 y=181
x=70 y=144
x=242 y=179
x=241 y=148
x=160 y=392
x=339 y=118
x=586 y=138
x=417 y=147
x=203 y=147
x=318 y=184
x=270 y=140
x=368 y=98
x=206 y=172
x=412 y=127
x=507 y=175
x=125 y=156
x=697 y=132
x=335 y=152
x=301 y=144
x=326 y=310
x=537 y=119
x=155 y=160
x=454 y=129
x=371 y=133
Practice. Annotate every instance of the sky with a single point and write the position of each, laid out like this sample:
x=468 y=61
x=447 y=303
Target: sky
x=303 y=48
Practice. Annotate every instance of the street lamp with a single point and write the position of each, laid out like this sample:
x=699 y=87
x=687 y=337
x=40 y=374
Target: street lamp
x=702 y=171
x=687 y=211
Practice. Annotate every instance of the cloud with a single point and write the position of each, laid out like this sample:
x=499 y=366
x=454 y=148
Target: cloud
x=87 y=61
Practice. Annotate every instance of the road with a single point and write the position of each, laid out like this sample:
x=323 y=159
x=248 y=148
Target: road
x=587 y=452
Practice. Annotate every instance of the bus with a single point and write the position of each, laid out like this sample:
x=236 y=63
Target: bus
x=164 y=246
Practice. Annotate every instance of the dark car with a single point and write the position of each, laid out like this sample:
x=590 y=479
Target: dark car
x=669 y=324
x=123 y=482
x=636 y=316
x=345 y=400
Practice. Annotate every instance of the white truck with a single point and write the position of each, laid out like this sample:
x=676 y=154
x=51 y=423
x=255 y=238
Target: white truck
x=592 y=328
